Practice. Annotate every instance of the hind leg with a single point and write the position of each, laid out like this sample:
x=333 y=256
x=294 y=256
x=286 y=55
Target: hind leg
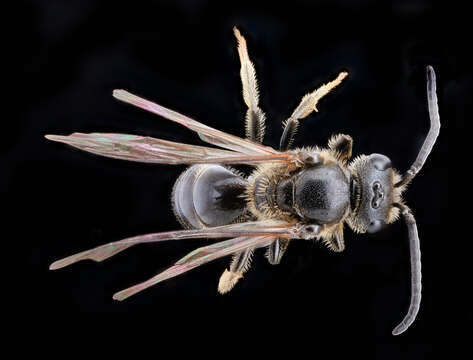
x=254 y=130
x=240 y=264
x=254 y=121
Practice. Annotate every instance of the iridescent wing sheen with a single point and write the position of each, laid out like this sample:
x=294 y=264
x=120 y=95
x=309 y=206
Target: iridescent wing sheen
x=206 y=133
x=151 y=150
x=249 y=229
x=197 y=258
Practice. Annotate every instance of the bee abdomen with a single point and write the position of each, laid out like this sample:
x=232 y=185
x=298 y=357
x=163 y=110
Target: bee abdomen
x=208 y=195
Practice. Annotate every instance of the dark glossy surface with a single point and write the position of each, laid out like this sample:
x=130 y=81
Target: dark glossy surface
x=63 y=61
x=376 y=191
x=208 y=195
x=322 y=194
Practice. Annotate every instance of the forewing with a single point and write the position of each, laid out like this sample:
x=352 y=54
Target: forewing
x=206 y=133
x=197 y=258
x=151 y=150
x=257 y=228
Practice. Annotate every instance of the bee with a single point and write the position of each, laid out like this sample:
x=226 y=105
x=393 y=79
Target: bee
x=302 y=193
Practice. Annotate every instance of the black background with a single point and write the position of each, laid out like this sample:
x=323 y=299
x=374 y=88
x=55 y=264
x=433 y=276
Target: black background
x=65 y=60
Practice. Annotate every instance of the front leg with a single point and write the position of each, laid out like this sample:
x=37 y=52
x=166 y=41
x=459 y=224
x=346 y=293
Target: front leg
x=333 y=238
x=330 y=235
x=307 y=105
x=254 y=121
x=341 y=146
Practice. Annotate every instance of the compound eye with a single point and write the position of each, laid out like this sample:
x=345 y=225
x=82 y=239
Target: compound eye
x=380 y=162
x=375 y=226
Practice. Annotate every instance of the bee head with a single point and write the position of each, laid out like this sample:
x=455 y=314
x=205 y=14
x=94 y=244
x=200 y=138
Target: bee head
x=372 y=193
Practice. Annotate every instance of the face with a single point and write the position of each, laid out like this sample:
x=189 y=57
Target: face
x=373 y=175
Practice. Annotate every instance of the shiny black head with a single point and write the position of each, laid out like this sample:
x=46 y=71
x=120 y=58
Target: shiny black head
x=372 y=193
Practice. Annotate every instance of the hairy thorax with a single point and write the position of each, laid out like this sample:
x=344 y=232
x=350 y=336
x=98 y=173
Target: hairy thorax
x=312 y=193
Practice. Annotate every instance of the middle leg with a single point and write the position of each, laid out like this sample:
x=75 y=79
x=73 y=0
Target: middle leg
x=307 y=105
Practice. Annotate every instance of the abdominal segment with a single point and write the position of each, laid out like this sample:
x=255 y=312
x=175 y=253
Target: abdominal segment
x=208 y=195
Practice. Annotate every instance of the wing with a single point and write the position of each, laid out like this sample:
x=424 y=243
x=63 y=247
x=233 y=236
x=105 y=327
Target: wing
x=197 y=258
x=248 y=229
x=151 y=150
x=206 y=133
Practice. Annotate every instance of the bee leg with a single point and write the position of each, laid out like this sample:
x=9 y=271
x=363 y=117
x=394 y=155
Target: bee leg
x=254 y=120
x=307 y=105
x=342 y=146
x=254 y=125
x=287 y=137
x=276 y=250
x=333 y=237
x=240 y=264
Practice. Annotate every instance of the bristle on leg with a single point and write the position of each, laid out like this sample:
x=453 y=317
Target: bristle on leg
x=228 y=280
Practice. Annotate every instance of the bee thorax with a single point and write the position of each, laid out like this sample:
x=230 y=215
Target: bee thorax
x=262 y=193
x=321 y=194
